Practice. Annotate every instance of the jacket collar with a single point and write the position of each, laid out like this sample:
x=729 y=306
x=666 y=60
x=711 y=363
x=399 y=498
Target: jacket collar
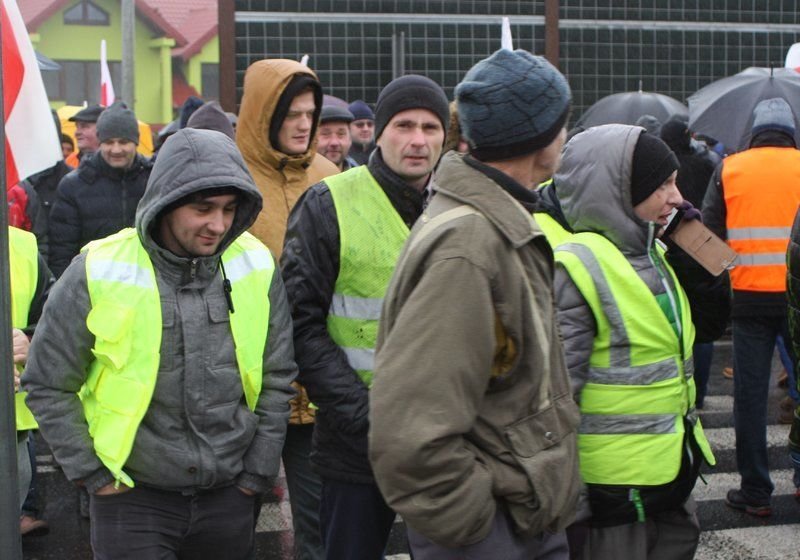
x=469 y=185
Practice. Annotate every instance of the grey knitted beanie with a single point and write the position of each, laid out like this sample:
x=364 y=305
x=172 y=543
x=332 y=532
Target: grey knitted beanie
x=511 y=104
x=118 y=122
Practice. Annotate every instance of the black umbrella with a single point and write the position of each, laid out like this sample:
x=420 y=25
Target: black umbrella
x=629 y=107
x=46 y=64
x=723 y=109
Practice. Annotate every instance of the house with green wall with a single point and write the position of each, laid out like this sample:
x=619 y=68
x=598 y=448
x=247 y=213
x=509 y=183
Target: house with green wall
x=176 y=51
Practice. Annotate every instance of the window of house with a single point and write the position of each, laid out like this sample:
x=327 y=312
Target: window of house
x=79 y=81
x=86 y=13
x=209 y=76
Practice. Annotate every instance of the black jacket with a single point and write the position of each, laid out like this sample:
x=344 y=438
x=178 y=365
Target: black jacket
x=793 y=296
x=310 y=267
x=93 y=202
x=45 y=183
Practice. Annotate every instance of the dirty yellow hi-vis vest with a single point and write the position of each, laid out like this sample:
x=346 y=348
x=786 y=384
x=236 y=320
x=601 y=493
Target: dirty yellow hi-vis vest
x=640 y=387
x=23 y=255
x=371 y=235
x=126 y=321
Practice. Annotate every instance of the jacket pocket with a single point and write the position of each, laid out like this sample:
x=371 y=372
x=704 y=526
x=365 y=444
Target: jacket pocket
x=110 y=323
x=545 y=446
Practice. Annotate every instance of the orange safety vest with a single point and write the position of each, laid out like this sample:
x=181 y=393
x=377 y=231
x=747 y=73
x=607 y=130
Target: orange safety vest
x=761 y=187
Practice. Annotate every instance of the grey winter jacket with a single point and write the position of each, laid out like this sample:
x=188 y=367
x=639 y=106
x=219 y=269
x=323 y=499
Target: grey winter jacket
x=198 y=431
x=593 y=185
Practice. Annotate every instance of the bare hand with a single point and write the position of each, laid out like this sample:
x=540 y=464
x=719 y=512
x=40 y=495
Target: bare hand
x=111 y=488
x=21 y=345
x=246 y=491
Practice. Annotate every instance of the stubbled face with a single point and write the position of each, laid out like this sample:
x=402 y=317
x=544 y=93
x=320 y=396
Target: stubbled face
x=658 y=206
x=333 y=141
x=295 y=133
x=118 y=152
x=362 y=130
x=197 y=229
x=548 y=159
x=411 y=145
x=86 y=136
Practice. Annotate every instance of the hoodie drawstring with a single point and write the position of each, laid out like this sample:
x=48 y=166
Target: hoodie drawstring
x=226 y=287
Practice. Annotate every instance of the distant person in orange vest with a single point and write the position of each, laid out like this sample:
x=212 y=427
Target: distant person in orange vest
x=751 y=202
x=85 y=133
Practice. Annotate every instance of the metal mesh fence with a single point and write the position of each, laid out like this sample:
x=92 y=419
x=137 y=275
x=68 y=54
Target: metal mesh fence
x=606 y=47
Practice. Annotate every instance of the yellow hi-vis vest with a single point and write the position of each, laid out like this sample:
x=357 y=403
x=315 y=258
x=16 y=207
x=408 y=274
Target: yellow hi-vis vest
x=126 y=321
x=553 y=231
x=640 y=385
x=371 y=235
x=23 y=255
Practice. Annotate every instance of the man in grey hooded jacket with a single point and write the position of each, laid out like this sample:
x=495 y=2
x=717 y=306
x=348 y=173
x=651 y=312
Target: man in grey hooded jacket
x=172 y=430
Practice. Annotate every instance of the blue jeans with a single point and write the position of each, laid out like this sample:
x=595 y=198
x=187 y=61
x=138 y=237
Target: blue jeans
x=355 y=520
x=702 y=354
x=754 y=341
x=304 y=490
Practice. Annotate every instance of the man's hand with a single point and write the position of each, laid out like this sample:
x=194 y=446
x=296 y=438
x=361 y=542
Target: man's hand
x=246 y=491
x=111 y=488
x=21 y=346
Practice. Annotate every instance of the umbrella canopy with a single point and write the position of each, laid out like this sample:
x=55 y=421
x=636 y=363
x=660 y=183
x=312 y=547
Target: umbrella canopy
x=46 y=64
x=628 y=107
x=723 y=109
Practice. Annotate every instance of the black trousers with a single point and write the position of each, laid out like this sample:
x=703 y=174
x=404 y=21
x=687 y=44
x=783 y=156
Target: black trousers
x=149 y=524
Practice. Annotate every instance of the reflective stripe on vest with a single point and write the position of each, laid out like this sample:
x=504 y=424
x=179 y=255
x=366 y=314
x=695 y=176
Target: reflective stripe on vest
x=553 y=231
x=23 y=256
x=761 y=187
x=371 y=235
x=125 y=319
x=640 y=384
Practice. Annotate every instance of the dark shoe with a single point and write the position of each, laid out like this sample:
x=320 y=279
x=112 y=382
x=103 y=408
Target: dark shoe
x=786 y=417
x=737 y=500
x=29 y=526
x=787 y=403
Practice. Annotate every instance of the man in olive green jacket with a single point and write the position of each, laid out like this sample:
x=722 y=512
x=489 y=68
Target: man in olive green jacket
x=473 y=425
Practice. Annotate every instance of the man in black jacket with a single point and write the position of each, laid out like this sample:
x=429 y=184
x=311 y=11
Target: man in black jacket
x=100 y=197
x=342 y=243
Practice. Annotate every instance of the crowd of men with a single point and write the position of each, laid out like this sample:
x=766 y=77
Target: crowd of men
x=492 y=339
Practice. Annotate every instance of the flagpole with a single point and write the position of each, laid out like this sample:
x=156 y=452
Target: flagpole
x=9 y=492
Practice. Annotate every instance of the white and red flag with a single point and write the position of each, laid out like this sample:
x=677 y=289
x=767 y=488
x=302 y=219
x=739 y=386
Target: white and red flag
x=107 y=95
x=31 y=140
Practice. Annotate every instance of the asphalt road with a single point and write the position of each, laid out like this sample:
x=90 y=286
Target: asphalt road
x=728 y=534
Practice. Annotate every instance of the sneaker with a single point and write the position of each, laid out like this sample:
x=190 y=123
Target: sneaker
x=737 y=500
x=727 y=372
x=29 y=526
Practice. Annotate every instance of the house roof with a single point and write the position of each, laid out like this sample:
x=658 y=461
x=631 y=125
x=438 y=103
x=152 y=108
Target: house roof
x=36 y=12
x=195 y=19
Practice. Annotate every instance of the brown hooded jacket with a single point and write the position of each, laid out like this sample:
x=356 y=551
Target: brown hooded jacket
x=281 y=178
